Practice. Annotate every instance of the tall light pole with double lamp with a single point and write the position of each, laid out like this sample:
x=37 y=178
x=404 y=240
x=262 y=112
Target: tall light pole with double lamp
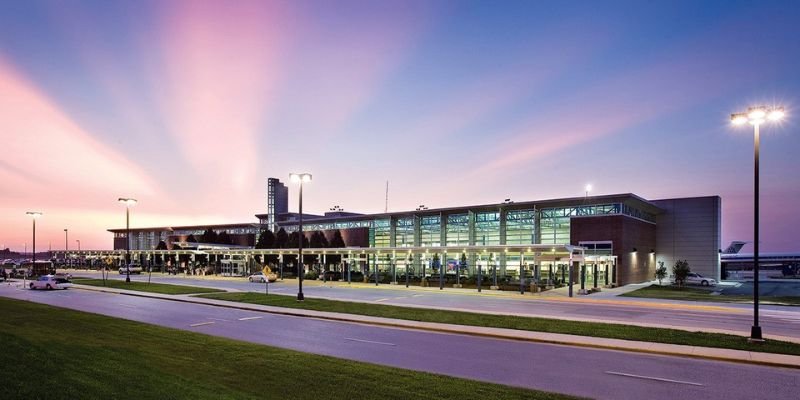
x=300 y=178
x=66 y=245
x=128 y=204
x=34 y=215
x=756 y=116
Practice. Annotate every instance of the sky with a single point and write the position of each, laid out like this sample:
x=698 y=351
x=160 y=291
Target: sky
x=189 y=106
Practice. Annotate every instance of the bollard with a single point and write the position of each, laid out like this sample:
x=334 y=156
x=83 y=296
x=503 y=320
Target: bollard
x=479 y=278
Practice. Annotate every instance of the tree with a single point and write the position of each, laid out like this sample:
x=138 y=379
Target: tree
x=337 y=241
x=266 y=240
x=315 y=241
x=681 y=271
x=281 y=239
x=191 y=239
x=224 y=238
x=661 y=272
x=209 y=236
x=162 y=245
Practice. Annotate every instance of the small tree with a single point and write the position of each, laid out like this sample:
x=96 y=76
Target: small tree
x=337 y=241
x=681 y=271
x=281 y=239
x=266 y=240
x=661 y=272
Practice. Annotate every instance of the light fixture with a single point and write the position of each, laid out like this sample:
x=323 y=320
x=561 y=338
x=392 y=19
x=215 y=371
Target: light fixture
x=634 y=250
x=301 y=177
x=652 y=251
x=758 y=115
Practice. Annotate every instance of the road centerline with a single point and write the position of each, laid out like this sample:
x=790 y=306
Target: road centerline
x=369 y=341
x=653 y=378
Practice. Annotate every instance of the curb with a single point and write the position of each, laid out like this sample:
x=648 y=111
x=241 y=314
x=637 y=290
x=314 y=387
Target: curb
x=744 y=356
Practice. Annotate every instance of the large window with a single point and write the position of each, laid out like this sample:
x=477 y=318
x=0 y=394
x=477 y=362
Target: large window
x=555 y=225
x=520 y=225
x=458 y=230
x=487 y=228
x=404 y=232
x=379 y=235
x=430 y=229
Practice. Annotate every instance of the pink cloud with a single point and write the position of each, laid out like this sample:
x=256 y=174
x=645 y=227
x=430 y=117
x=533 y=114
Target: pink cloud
x=49 y=161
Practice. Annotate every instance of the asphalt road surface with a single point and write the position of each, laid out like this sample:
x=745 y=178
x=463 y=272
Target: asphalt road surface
x=601 y=374
x=736 y=318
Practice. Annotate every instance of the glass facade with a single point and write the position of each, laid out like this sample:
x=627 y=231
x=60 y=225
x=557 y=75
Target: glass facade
x=458 y=230
x=430 y=230
x=404 y=232
x=380 y=233
x=520 y=227
x=487 y=228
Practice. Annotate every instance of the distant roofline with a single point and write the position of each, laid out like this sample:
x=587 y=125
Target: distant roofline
x=626 y=198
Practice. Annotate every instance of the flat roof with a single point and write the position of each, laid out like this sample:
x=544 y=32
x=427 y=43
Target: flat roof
x=624 y=198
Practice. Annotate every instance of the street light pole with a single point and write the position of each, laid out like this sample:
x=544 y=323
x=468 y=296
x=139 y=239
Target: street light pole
x=34 y=215
x=128 y=203
x=300 y=178
x=66 y=245
x=756 y=116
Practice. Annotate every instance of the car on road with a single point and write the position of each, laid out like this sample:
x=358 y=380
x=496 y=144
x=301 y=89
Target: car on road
x=50 y=282
x=63 y=275
x=259 y=277
x=135 y=269
x=693 y=278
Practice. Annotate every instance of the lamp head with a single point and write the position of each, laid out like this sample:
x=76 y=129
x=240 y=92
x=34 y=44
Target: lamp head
x=127 y=202
x=34 y=214
x=758 y=115
x=302 y=177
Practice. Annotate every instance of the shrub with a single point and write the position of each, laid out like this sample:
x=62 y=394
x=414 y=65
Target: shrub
x=661 y=272
x=311 y=275
x=681 y=271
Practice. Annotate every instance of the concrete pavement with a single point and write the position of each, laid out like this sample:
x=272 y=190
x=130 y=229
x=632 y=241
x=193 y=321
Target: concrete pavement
x=596 y=373
x=542 y=337
x=779 y=323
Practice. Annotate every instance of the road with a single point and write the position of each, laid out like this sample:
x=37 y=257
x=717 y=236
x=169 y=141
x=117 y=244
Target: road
x=776 y=321
x=601 y=374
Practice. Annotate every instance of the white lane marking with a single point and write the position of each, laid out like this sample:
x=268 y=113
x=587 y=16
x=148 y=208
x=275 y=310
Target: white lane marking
x=249 y=318
x=380 y=300
x=202 y=323
x=220 y=319
x=369 y=341
x=654 y=378
x=418 y=295
x=126 y=305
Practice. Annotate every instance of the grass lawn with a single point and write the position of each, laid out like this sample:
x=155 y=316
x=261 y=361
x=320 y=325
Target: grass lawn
x=688 y=293
x=64 y=354
x=161 y=288
x=614 y=331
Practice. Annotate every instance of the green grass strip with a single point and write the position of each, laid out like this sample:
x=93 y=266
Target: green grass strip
x=55 y=353
x=693 y=294
x=594 y=329
x=161 y=288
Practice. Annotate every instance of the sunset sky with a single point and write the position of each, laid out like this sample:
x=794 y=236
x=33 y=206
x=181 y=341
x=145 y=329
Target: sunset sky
x=189 y=106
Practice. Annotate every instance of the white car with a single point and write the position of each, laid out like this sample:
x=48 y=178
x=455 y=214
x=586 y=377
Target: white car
x=50 y=282
x=64 y=275
x=259 y=277
x=696 y=279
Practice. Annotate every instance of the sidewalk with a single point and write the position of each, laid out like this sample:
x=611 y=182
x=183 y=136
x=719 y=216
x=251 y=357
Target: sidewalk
x=741 y=356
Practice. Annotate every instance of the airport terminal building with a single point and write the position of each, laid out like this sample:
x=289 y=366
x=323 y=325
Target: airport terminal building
x=619 y=238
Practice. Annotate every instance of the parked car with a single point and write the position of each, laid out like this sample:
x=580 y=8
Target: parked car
x=135 y=269
x=259 y=277
x=332 y=275
x=63 y=275
x=50 y=282
x=694 y=278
